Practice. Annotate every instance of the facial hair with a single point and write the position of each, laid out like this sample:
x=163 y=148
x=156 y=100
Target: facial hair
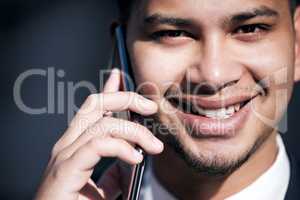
x=216 y=166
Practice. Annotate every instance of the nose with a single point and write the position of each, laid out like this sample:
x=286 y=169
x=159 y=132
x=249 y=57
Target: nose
x=217 y=65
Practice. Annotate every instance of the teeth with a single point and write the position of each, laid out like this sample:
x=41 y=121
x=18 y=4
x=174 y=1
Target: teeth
x=197 y=109
x=222 y=113
x=230 y=110
x=237 y=107
x=211 y=113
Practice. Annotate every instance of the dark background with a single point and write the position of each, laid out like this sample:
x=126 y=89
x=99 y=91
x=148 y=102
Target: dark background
x=69 y=35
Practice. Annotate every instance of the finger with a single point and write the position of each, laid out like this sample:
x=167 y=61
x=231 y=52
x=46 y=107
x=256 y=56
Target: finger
x=88 y=155
x=112 y=85
x=115 y=102
x=79 y=167
x=82 y=121
x=113 y=82
x=120 y=101
x=133 y=133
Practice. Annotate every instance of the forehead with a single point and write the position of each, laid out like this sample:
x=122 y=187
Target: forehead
x=207 y=8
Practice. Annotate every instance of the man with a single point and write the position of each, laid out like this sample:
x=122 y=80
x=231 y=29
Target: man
x=219 y=75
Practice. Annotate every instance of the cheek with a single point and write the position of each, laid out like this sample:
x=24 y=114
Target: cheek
x=157 y=66
x=272 y=62
x=268 y=59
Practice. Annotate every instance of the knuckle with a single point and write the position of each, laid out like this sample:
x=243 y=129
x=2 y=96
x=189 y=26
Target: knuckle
x=95 y=143
x=105 y=120
x=124 y=147
x=59 y=170
x=61 y=157
x=91 y=103
x=140 y=132
x=55 y=149
x=92 y=131
x=147 y=134
x=105 y=126
x=119 y=145
x=131 y=96
x=93 y=97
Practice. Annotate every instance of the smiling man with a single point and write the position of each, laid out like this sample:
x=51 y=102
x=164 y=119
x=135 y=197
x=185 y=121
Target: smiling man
x=221 y=73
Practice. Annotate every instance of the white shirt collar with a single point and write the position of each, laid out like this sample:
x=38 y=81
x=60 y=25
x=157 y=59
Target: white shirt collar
x=272 y=184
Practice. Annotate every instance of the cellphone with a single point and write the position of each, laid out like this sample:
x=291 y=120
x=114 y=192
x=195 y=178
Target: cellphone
x=128 y=84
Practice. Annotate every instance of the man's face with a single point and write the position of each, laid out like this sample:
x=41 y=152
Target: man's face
x=221 y=71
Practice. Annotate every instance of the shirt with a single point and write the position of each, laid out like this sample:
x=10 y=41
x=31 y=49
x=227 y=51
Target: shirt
x=272 y=184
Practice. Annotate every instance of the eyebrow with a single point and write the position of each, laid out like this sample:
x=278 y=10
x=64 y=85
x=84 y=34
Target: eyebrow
x=262 y=11
x=161 y=19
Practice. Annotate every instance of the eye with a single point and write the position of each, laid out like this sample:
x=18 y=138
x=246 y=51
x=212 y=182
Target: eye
x=252 y=28
x=165 y=34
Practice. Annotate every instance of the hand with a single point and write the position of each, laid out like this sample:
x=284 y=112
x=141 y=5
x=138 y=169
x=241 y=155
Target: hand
x=93 y=134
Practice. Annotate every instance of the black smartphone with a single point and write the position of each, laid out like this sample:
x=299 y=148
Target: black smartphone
x=120 y=58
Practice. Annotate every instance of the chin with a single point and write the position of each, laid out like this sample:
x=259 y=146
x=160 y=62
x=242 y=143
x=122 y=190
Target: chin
x=213 y=157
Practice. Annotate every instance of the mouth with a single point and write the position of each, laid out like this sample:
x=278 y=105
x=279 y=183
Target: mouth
x=211 y=109
x=213 y=118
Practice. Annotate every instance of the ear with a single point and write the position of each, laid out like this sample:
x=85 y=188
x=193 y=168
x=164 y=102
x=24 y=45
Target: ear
x=297 y=44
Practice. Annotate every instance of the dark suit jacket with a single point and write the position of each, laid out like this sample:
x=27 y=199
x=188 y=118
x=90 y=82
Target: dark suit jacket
x=293 y=192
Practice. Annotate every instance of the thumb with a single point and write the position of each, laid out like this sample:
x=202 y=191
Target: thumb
x=113 y=82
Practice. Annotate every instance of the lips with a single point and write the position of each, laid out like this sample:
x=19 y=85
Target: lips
x=212 y=109
x=206 y=118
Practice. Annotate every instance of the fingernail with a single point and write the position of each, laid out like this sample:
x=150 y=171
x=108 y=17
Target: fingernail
x=158 y=144
x=150 y=103
x=115 y=70
x=137 y=155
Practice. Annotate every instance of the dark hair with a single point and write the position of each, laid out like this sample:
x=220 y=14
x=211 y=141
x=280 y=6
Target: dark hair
x=125 y=7
x=293 y=5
